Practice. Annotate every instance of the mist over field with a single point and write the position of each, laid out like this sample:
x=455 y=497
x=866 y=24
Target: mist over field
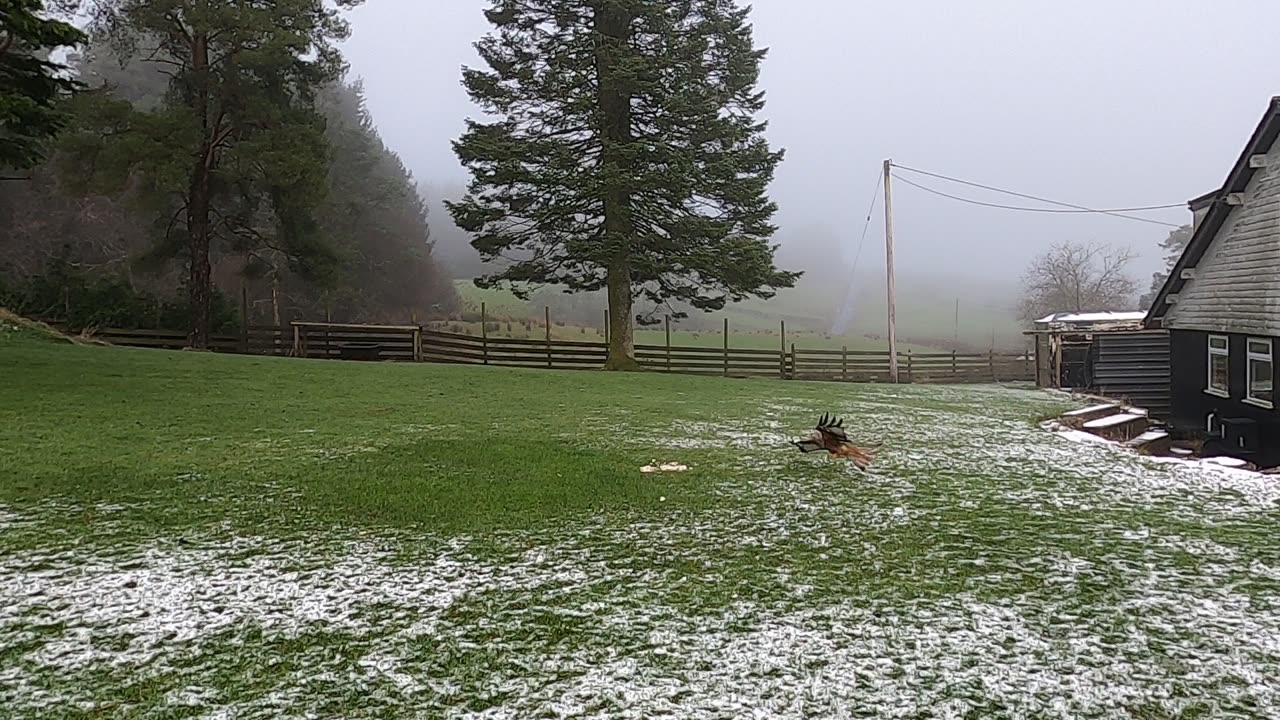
x=1035 y=97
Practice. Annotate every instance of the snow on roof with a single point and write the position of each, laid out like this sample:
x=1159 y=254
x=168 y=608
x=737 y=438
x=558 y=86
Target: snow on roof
x=1092 y=317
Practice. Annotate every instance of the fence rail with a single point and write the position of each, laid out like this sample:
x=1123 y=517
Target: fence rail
x=410 y=343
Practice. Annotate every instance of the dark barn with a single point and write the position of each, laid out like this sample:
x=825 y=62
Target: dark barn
x=1221 y=308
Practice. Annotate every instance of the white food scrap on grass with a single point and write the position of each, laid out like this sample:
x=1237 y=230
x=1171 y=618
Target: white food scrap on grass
x=665 y=467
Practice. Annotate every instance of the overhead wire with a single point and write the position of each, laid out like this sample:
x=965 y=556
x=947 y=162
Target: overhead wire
x=1031 y=197
x=871 y=208
x=875 y=198
x=1031 y=209
x=1071 y=208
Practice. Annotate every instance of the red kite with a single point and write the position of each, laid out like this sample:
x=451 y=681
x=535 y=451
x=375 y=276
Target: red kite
x=829 y=435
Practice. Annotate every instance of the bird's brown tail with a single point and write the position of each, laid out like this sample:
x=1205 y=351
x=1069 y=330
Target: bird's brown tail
x=860 y=457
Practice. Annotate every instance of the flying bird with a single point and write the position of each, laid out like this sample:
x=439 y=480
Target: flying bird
x=829 y=435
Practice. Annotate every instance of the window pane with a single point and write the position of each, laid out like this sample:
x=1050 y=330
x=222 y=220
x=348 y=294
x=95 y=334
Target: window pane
x=1260 y=347
x=1218 y=373
x=1260 y=380
x=1218 y=343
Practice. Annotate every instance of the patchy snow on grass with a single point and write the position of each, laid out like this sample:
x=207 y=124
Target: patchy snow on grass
x=983 y=568
x=1222 y=483
x=11 y=520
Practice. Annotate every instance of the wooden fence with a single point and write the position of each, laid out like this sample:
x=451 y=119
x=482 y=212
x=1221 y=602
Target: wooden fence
x=410 y=343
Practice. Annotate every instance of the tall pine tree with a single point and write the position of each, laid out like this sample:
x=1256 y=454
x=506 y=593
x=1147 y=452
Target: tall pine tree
x=236 y=152
x=623 y=153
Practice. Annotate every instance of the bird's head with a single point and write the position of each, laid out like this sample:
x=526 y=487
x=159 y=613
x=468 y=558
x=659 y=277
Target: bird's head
x=814 y=436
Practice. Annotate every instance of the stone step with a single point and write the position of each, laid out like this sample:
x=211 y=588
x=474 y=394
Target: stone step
x=1076 y=419
x=1119 y=427
x=1152 y=442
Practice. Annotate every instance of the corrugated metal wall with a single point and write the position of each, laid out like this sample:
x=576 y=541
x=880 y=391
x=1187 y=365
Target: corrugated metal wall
x=1134 y=367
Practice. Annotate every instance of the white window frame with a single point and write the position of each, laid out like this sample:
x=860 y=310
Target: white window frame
x=1225 y=353
x=1250 y=356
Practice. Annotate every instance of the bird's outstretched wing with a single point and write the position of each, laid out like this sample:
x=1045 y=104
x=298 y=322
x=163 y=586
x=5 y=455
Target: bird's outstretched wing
x=808 y=446
x=832 y=429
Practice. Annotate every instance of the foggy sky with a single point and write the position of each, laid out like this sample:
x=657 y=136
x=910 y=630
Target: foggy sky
x=1102 y=103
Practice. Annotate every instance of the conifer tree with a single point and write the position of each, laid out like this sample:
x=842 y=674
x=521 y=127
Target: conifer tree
x=236 y=151
x=31 y=84
x=622 y=152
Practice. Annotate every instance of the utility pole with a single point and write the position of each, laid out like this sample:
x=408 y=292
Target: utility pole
x=955 y=342
x=888 y=261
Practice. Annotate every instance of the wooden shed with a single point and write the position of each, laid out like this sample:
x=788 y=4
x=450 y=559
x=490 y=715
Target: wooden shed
x=1064 y=344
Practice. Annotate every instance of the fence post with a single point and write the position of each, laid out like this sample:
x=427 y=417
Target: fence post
x=547 y=316
x=297 y=341
x=953 y=365
x=484 y=333
x=782 y=351
x=794 y=369
x=1026 y=366
x=667 y=323
x=726 y=347
x=844 y=363
x=1055 y=350
x=417 y=343
x=910 y=376
x=328 y=318
x=244 y=318
x=991 y=360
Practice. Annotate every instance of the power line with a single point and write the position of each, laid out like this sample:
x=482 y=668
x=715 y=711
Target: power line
x=1033 y=197
x=1030 y=209
x=867 y=226
x=853 y=272
x=1115 y=212
x=1044 y=210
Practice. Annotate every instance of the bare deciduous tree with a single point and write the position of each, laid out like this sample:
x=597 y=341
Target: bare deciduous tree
x=1077 y=277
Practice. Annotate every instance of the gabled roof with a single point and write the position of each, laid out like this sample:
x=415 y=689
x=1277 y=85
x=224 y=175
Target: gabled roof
x=1264 y=137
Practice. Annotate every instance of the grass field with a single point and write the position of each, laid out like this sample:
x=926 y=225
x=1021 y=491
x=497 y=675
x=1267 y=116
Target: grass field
x=925 y=317
x=189 y=535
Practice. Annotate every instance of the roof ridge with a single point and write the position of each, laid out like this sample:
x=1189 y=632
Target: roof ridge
x=1263 y=138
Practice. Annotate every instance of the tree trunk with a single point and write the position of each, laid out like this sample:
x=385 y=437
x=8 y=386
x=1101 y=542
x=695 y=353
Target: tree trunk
x=198 y=230
x=201 y=283
x=622 y=345
x=275 y=300
x=613 y=30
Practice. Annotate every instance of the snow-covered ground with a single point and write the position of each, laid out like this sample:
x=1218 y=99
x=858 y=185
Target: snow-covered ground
x=983 y=568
